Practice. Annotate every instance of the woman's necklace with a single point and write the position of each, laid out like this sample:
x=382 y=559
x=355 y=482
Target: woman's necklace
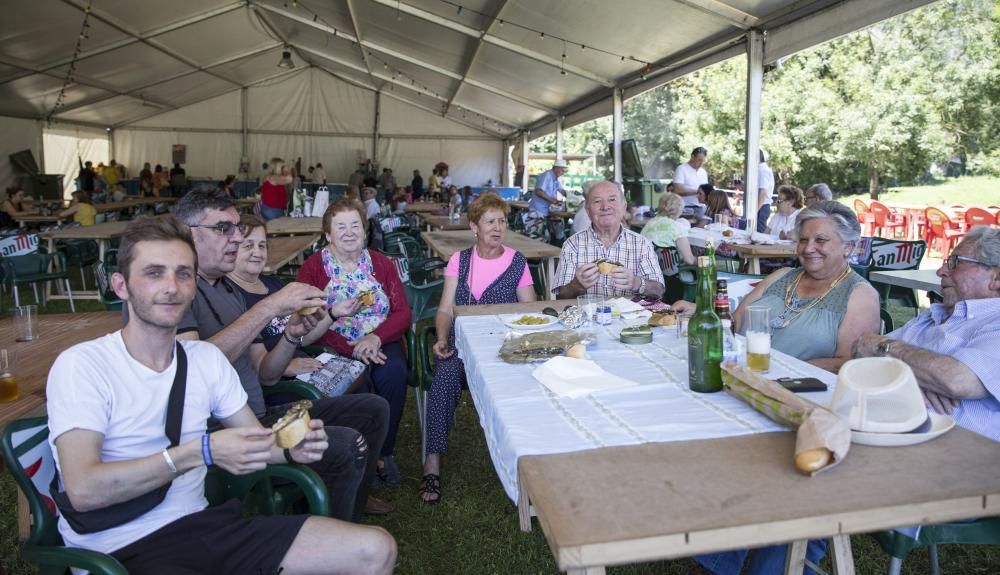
x=793 y=304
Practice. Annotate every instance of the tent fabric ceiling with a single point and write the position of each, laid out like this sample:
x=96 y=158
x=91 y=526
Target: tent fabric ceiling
x=485 y=60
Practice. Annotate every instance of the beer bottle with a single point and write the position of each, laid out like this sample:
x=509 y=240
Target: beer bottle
x=722 y=300
x=704 y=336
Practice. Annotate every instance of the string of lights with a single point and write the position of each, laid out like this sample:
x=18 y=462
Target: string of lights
x=71 y=71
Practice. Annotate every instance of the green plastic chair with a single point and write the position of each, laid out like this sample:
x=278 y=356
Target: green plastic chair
x=897 y=545
x=424 y=335
x=26 y=454
x=32 y=269
x=424 y=298
x=894 y=255
x=679 y=279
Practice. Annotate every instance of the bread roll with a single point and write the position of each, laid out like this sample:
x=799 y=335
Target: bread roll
x=367 y=298
x=663 y=319
x=578 y=351
x=292 y=428
x=606 y=266
x=813 y=460
x=308 y=310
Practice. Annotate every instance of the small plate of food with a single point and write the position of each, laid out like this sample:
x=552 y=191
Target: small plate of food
x=528 y=320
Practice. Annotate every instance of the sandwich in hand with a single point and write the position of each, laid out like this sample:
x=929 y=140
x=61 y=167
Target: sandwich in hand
x=292 y=428
x=366 y=297
x=606 y=266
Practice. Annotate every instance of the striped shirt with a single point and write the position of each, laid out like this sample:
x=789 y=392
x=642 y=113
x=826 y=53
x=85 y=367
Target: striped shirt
x=630 y=249
x=971 y=335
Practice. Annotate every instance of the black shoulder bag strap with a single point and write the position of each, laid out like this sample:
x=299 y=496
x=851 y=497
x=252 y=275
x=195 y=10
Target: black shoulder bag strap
x=121 y=513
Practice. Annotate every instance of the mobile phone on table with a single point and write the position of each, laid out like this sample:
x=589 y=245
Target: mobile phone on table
x=801 y=384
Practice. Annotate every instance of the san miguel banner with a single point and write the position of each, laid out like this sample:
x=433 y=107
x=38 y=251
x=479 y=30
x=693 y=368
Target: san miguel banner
x=18 y=245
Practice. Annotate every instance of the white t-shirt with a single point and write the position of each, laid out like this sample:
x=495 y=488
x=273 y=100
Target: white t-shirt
x=765 y=179
x=373 y=208
x=780 y=223
x=98 y=386
x=581 y=220
x=687 y=175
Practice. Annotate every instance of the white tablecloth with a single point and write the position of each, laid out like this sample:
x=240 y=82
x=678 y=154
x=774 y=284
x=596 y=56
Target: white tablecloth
x=519 y=416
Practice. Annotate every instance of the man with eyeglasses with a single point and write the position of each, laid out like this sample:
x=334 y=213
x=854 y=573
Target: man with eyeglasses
x=818 y=193
x=953 y=347
x=356 y=424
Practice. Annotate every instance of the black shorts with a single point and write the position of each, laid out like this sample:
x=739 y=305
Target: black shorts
x=214 y=540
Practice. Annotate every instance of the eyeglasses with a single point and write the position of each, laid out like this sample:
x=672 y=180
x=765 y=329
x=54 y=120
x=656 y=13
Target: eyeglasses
x=811 y=198
x=224 y=228
x=952 y=261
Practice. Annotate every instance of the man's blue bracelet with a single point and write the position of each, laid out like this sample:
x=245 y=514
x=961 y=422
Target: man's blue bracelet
x=206 y=449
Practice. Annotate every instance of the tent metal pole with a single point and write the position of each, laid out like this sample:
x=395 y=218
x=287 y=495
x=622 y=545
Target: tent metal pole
x=525 y=154
x=618 y=127
x=244 y=158
x=378 y=106
x=559 y=136
x=111 y=144
x=505 y=163
x=755 y=87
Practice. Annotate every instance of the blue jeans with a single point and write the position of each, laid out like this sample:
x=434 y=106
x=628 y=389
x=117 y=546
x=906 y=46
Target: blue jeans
x=763 y=561
x=269 y=213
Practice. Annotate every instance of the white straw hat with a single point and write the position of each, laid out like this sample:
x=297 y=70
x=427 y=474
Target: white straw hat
x=881 y=401
x=560 y=163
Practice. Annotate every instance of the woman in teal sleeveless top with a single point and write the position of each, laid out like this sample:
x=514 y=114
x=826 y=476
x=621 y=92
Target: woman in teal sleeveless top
x=818 y=310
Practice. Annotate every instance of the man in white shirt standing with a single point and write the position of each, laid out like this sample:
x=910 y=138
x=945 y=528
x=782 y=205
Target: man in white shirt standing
x=690 y=175
x=765 y=188
x=371 y=204
x=319 y=175
x=107 y=403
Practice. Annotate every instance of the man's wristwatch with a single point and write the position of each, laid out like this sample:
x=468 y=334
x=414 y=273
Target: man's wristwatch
x=642 y=287
x=296 y=341
x=885 y=346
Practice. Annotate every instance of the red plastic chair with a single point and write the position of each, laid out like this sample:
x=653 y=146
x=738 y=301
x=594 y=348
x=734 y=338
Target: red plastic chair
x=942 y=228
x=864 y=216
x=887 y=218
x=979 y=217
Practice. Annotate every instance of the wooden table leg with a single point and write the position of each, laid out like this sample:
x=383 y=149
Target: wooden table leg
x=550 y=272
x=843 y=558
x=795 y=560
x=523 y=508
x=23 y=517
x=754 y=265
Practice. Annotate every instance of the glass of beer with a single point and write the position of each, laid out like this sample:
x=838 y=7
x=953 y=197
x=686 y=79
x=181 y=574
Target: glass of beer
x=8 y=382
x=759 y=338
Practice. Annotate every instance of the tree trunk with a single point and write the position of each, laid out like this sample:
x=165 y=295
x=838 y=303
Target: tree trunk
x=873 y=180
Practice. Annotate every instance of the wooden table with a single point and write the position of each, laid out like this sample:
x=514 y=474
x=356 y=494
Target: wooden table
x=655 y=501
x=926 y=280
x=424 y=207
x=288 y=226
x=444 y=222
x=444 y=244
x=39 y=219
x=282 y=250
x=56 y=333
x=101 y=233
x=552 y=212
x=753 y=253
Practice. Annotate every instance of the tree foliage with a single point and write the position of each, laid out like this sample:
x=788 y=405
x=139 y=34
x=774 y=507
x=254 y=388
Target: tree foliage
x=879 y=105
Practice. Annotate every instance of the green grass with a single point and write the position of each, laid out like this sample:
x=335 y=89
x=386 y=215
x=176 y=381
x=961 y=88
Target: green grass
x=967 y=191
x=475 y=528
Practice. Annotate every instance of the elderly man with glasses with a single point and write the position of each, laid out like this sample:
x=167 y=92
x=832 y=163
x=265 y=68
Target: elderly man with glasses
x=952 y=348
x=818 y=193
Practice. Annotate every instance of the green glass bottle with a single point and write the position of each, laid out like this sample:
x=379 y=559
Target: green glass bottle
x=705 y=336
x=710 y=253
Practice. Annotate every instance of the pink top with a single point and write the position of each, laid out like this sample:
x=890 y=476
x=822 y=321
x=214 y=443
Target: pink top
x=485 y=272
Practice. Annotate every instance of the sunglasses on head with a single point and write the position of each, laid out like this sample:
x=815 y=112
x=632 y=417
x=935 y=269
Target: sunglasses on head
x=224 y=228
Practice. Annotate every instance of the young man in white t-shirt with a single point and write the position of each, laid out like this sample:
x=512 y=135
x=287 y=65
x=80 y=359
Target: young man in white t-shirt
x=107 y=403
x=689 y=175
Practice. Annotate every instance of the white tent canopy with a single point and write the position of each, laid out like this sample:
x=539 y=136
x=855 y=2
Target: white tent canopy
x=409 y=82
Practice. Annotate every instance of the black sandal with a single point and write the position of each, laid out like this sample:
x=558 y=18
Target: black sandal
x=431 y=484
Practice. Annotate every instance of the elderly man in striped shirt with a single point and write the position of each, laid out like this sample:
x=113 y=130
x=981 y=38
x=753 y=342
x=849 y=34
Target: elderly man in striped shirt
x=952 y=348
x=637 y=272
